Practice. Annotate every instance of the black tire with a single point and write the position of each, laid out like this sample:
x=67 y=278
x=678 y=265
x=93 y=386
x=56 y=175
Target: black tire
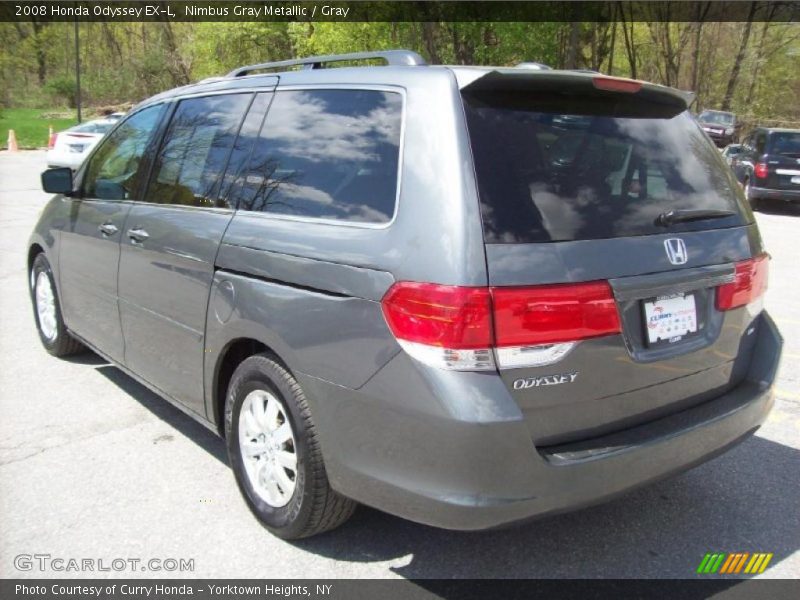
x=62 y=344
x=314 y=507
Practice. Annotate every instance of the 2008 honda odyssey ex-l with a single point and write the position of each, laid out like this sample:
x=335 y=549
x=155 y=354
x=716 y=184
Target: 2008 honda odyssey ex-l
x=463 y=295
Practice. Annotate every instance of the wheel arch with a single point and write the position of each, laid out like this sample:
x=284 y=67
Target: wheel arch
x=34 y=250
x=231 y=356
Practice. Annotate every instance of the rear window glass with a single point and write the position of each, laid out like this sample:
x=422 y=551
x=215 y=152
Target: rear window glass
x=785 y=142
x=92 y=127
x=544 y=176
x=326 y=154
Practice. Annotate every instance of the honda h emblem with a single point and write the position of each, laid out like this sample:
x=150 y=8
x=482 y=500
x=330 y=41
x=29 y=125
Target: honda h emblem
x=676 y=251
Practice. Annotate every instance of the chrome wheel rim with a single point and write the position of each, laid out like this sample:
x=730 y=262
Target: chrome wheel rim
x=267 y=447
x=46 y=306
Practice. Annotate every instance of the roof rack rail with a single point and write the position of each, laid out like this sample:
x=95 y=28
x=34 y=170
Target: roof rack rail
x=402 y=58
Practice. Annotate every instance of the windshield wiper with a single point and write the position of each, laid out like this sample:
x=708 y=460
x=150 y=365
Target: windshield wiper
x=670 y=217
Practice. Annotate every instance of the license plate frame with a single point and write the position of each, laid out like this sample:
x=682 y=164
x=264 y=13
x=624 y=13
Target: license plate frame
x=669 y=319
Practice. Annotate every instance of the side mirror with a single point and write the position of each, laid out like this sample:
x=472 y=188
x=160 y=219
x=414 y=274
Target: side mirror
x=57 y=181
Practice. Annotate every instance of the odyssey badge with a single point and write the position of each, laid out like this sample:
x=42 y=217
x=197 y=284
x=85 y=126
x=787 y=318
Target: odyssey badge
x=524 y=384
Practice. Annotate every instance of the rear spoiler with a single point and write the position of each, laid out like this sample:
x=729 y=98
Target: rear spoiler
x=629 y=97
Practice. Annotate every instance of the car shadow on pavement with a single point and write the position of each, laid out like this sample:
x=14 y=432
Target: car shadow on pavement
x=165 y=411
x=776 y=207
x=743 y=501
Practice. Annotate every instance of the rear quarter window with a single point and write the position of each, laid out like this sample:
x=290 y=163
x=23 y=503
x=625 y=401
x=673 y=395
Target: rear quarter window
x=544 y=176
x=326 y=154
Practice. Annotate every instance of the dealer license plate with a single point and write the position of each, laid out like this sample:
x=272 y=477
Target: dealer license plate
x=670 y=317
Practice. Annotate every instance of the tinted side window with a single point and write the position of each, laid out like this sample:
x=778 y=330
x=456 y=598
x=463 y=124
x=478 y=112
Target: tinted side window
x=330 y=154
x=112 y=172
x=761 y=142
x=195 y=150
x=248 y=134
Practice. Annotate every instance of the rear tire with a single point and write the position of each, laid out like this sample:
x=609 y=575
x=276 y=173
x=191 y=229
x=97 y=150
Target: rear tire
x=53 y=333
x=279 y=471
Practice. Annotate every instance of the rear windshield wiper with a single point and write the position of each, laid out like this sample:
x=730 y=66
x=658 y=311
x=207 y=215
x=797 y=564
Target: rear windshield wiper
x=670 y=217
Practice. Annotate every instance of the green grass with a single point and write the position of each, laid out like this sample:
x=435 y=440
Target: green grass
x=31 y=125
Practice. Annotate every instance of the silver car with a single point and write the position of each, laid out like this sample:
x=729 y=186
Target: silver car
x=467 y=296
x=69 y=148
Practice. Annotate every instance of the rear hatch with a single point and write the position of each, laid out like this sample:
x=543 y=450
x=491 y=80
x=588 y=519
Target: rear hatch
x=783 y=161
x=611 y=224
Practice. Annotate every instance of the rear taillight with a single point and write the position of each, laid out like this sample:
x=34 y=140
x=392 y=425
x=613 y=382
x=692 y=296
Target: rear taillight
x=761 y=170
x=748 y=285
x=459 y=327
x=553 y=313
x=52 y=141
x=447 y=326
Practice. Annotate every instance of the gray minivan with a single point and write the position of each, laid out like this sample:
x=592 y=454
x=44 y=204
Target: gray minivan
x=463 y=295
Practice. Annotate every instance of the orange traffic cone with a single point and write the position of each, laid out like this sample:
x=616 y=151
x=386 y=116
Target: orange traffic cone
x=12 y=141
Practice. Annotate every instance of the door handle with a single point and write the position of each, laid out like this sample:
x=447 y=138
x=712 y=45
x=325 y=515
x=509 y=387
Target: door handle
x=108 y=229
x=138 y=235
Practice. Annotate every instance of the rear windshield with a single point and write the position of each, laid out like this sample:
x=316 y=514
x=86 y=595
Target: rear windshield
x=544 y=176
x=92 y=127
x=785 y=142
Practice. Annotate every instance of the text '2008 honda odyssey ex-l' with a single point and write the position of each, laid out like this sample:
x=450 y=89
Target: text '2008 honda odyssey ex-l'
x=463 y=295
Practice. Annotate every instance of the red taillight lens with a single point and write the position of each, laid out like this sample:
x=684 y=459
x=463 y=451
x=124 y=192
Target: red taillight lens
x=614 y=84
x=749 y=283
x=439 y=315
x=52 y=141
x=461 y=317
x=553 y=313
x=761 y=170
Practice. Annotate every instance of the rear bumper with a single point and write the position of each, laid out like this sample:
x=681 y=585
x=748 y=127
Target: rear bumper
x=73 y=160
x=720 y=139
x=477 y=468
x=770 y=194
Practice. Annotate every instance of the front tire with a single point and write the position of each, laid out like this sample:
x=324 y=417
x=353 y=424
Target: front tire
x=275 y=454
x=53 y=333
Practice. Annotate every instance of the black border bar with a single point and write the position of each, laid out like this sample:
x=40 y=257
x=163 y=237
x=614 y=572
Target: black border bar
x=391 y=589
x=406 y=11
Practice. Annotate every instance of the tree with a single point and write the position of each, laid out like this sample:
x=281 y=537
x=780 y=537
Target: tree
x=737 y=63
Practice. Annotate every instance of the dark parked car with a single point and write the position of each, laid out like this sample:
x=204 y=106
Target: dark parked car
x=722 y=127
x=463 y=295
x=769 y=165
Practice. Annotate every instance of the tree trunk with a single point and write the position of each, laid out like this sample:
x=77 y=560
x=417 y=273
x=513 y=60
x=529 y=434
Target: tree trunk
x=41 y=56
x=737 y=65
x=630 y=48
x=429 y=39
x=757 y=66
x=572 y=46
x=180 y=73
x=613 y=42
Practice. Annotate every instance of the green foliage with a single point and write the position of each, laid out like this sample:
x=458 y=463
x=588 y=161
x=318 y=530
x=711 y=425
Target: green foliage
x=126 y=62
x=63 y=89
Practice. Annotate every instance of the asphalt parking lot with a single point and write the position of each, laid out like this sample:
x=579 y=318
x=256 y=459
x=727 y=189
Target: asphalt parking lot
x=93 y=465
